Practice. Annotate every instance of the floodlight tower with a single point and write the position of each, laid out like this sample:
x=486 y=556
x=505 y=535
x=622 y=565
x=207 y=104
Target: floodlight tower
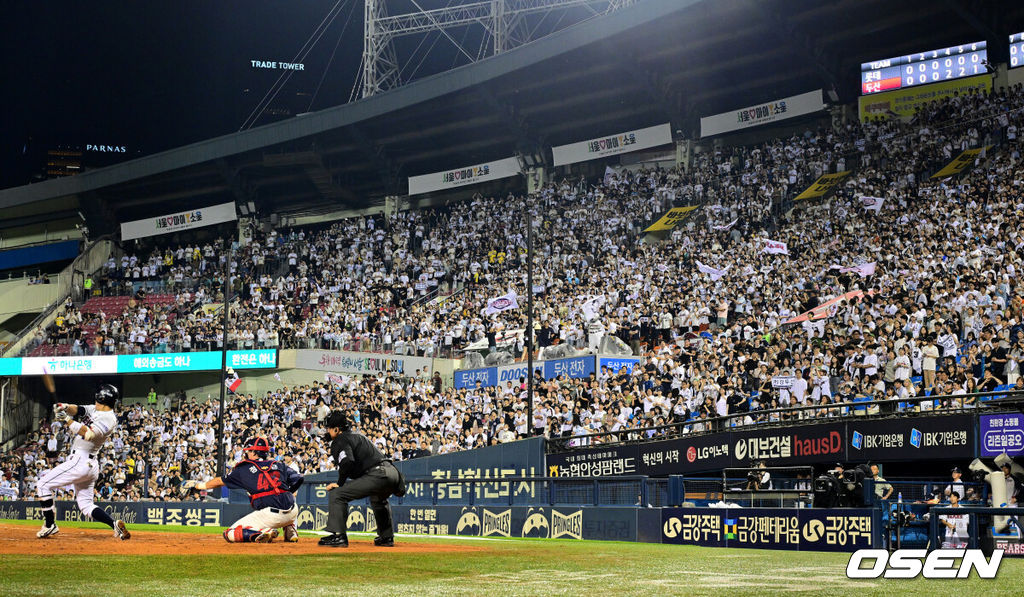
x=504 y=22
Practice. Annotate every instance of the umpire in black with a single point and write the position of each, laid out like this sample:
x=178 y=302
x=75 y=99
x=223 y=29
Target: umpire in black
x=368 y=474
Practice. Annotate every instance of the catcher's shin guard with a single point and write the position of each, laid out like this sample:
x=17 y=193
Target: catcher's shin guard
x=241 y=534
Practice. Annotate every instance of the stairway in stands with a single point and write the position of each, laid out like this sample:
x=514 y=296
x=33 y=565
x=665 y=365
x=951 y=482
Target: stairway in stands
x=109 y=305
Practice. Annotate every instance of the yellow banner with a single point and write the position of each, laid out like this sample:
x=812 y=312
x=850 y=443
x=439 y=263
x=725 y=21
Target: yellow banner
x=671 y=219
x=211 y=308
x=961 y=162
x=823 y=185
x=905 y=102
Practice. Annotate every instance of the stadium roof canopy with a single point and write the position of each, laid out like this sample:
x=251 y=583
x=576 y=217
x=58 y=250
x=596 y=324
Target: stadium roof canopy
x=657 y=61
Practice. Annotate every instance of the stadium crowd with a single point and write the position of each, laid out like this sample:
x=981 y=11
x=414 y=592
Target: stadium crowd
x=936 y=266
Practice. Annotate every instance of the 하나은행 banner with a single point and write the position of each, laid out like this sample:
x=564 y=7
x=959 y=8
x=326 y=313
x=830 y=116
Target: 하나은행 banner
x=906 y=102
x=600 y=147
x=467 y=175
x=961 y=162
x=165 y=362
x=176 y=222
x=671 y=219
x=763 y=113
x=823 y=185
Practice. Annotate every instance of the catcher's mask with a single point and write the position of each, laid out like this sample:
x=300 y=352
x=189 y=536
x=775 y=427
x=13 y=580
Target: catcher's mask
x=258 y=444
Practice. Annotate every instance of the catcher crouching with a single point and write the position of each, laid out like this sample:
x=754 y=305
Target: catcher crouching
x=271 y=486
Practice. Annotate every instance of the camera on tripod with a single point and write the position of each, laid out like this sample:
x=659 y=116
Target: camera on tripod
x=841 y=487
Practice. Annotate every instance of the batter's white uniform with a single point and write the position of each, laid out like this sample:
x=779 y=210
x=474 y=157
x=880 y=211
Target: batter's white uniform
x=81 y=468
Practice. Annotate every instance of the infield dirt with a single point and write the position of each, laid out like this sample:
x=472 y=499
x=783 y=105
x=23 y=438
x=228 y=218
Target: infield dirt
x=22 y=540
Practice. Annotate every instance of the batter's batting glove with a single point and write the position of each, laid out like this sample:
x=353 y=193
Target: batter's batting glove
x=186 y=487
x=60 y=412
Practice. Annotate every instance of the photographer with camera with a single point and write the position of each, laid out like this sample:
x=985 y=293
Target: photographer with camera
x=758 y=478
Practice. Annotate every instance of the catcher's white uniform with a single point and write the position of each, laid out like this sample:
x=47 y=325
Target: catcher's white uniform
x=81 y=468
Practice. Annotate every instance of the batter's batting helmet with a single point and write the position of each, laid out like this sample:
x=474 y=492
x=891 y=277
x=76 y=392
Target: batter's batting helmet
x=106 y=394
x=258 y=444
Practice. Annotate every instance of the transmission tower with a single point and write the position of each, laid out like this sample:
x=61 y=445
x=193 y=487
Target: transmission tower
x=503 y=21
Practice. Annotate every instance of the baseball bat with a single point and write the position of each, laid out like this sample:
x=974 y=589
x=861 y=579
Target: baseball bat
x=48 y=382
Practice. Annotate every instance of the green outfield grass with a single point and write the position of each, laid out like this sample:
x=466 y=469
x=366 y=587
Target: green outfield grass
x=500 y=567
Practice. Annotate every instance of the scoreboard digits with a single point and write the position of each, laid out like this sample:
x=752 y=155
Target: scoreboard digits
x=954 y=62
x=1016 y=50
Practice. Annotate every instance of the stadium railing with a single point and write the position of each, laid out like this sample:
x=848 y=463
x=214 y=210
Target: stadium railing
x=87 y=263
x=781 y=417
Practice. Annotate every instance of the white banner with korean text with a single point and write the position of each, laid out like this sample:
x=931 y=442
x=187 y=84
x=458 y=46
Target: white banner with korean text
x=338 y=361
x=176 y=222
x=458 y=177
x=600 y=147
x=763 y=113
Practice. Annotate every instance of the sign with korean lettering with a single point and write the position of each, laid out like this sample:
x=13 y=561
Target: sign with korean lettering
x=339 y=361
x=763 y=113
x=616 y=364
x=684 y=455
x=576 y=367
x=609 y=145
x=772 y=528
x=252 y=359
x=906 y=102
x=176 y=222
x=806 y=444
x=468 y=378
x=1002 y=434
x=466 y=175
x=918 y=438
x=68 y=365
x=167 y=362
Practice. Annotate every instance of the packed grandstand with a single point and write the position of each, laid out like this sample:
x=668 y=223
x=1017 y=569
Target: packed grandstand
x=939 y=309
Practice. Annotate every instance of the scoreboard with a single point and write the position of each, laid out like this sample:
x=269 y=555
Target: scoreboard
x=1016 y=50
x=954 y=62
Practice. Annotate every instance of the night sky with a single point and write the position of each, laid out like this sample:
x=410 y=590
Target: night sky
x=155 y=75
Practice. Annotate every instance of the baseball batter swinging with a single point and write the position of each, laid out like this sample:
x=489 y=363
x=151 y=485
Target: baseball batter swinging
x=81 y=469
x=271 y=486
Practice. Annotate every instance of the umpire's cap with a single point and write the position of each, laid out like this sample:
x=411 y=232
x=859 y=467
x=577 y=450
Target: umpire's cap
x=106 y=394
x=337 y=420
x=258 y=444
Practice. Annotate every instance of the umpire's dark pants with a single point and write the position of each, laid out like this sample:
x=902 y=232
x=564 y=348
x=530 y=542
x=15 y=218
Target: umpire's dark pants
x=378 y=484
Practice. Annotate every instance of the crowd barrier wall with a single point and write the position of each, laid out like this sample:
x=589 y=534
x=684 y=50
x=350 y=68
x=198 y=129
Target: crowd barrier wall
x=761 y=528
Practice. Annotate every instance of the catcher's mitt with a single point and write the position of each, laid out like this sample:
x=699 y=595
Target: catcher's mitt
x=187 y=487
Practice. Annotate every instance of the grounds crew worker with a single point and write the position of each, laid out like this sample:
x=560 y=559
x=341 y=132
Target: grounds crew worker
x=368 y=473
